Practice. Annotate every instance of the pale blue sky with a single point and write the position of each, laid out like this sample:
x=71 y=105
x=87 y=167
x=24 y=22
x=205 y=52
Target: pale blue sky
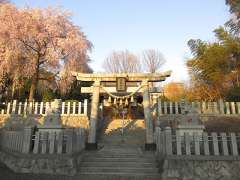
x=136 y=25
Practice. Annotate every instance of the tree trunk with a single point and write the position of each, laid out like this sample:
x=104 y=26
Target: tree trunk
x=33 y=88
x=13 y=90
x=34 y=82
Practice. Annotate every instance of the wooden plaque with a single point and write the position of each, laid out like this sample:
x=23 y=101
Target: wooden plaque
x=121 y=84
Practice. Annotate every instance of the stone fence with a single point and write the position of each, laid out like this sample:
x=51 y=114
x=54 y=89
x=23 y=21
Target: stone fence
x=67 y=141
x=197 y=145
x=41 y=108
x=12 y=140
x=220 y=107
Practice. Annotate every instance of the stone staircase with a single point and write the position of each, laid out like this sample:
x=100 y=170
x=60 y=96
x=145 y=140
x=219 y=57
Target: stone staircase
x=120 y=157
x=119 y=162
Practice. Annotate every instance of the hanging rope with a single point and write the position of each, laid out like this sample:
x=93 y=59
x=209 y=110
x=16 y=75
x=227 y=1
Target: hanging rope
x=122 y=97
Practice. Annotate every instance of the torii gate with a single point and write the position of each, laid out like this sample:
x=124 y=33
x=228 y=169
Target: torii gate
x=100 y=78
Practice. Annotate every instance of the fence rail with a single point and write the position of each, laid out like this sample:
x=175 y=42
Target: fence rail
x=41 y=108
x=214 y=144
x=219 y=107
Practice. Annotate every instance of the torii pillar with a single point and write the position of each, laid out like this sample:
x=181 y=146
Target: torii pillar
x=92 y=143
x=149 y=144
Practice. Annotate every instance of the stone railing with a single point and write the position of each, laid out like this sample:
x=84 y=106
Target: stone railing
x=12 y=140
x=41 y=108
x=197 y=145
x=217 y=108
x=64 y=142
x=67 y=141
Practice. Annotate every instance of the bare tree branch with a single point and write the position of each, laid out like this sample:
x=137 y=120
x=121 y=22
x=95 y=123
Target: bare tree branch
x=152 y=60
x=122 y=62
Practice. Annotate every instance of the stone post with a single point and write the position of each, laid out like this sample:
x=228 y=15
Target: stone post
x=227 y=107
x=176 y=108
x=165 y=108
x=238 y=107
x=221 y=105
x=206 y=144
x=68 y=108
x=19 y=108
x=179 y=143
x=36 y=108
x=92 y=143
x=159 y=112
x=79 y=107
x=150 y=145
x=234 y=147
x=215 y=107
x=204 y=108
x=14 y=107
x=74 y=108
x=8 y=108
x=215 y=144
x=224 y=144
x=30 y=108
x=70 y=134
x=233 y=108
x=85 y=107
x=171 y=107
x=63 y=108
x=27 y=140
x=41 y=108
x=154 y=105
x=168 y=141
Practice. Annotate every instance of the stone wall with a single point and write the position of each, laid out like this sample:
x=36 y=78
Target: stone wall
x=200 y=170
x=19 y=121
x=41 y=164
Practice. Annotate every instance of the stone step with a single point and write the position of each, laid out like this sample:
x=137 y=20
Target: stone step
x=118 y=164
x=132 y=170
x=116 y=155
x=118 y=176
x=121 y=141
x=114 y=159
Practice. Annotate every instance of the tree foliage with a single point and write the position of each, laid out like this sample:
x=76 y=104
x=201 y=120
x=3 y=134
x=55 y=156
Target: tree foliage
x=40 y=45
x=174 y=91
x=213 y=63
x=234 y=22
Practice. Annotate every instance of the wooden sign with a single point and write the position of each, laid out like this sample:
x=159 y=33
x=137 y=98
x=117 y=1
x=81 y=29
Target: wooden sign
x=121 y=84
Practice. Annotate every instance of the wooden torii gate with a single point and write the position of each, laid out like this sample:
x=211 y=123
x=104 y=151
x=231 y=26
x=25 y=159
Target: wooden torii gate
x=99 y=79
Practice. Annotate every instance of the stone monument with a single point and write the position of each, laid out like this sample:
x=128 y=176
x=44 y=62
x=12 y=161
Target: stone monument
x=190 y=120
x=52 y=121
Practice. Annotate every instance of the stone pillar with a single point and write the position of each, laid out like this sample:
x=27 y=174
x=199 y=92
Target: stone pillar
x=149 y=145
x=92 y=142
